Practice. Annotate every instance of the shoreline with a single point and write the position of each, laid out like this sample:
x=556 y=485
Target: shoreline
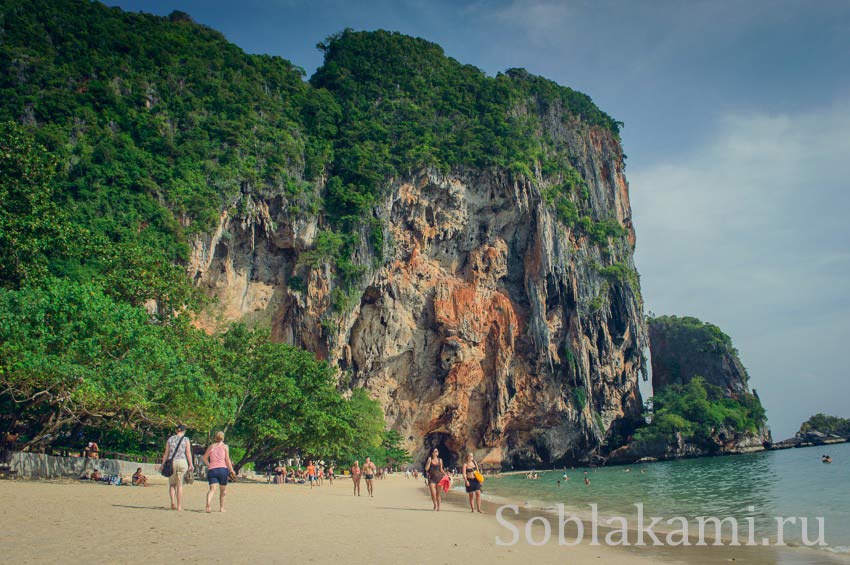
x=750 y=451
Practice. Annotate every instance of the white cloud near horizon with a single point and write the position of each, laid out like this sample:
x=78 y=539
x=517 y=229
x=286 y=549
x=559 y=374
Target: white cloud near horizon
x=749 y=231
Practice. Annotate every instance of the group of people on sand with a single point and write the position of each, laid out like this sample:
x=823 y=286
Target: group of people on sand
x=178 y=450
x=138 y=479
x=314 y=474
x=99 y=477
x=439 y=479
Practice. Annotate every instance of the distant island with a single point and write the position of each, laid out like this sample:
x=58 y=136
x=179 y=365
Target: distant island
x=820 y=429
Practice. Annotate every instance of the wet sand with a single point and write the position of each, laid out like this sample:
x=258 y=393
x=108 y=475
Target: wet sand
x=75 y=522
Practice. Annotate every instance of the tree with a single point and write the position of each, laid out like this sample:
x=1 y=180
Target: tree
x=392 y=454
x=70 y=355
x=283 y=399
x=31 y=226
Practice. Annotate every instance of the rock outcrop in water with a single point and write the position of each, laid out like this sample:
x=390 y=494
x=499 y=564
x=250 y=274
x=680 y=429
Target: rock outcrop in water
x=685 y=348
x=489 y=327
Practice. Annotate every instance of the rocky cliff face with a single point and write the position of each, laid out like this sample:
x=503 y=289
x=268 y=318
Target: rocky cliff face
x=486 y=327
x=685 y=347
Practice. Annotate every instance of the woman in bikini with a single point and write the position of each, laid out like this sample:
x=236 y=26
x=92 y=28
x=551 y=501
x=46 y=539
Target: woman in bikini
x=473 y=487
x=355 y=477
x=434 y=471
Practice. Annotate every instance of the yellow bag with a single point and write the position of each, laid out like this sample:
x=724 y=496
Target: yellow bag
x=479 y=477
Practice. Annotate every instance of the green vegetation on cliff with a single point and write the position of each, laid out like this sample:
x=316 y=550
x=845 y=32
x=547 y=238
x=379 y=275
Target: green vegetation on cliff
x=406 y=106
x=699 y=411
x=160 y=124
x=702 y=336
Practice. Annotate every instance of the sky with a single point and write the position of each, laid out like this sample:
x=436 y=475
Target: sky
x=737 y=130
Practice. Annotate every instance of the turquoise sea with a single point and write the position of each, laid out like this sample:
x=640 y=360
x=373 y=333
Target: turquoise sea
x=788 y=483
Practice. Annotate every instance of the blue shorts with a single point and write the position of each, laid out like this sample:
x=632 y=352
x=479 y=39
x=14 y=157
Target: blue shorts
x=218 y=475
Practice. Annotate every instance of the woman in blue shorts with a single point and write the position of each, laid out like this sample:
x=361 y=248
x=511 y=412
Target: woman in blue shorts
x=219 y=469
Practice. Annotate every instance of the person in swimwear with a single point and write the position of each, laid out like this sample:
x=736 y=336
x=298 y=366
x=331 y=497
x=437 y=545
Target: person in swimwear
x=355 y=477
x=139 y=479
x=473 y=487
x=369 y=471
x=434 y=472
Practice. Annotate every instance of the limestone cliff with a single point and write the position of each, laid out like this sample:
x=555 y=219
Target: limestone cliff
x=489 y=325
x=683 y=347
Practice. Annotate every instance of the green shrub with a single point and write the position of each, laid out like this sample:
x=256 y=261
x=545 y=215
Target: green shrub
x=580 y=397
x=296 y=283
x=697 y=409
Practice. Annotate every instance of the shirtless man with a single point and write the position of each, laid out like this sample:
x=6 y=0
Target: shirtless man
x=369 y=471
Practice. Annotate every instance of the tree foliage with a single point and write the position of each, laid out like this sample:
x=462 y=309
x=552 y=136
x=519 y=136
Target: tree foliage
x=31 y=224
x=698 y=410
x=69 y=354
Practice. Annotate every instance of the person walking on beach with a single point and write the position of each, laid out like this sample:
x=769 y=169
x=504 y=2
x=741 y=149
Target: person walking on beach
x=434 y=472
x=473 y=485
x=369 y=471
x=331 y=474
x=355 y=477
x=178 y=448
x=311 y=473
x=219 y=468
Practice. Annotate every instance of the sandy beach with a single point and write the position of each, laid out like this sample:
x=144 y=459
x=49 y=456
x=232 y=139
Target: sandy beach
x=74 y=522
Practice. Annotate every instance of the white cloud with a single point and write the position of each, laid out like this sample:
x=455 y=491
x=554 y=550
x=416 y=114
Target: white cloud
x=749 y=231
x=544 y=22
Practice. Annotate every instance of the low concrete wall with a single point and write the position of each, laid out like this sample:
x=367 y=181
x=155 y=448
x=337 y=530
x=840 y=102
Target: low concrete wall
x=39 y=466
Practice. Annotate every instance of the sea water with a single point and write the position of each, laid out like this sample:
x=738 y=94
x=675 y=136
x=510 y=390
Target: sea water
x=761 y=486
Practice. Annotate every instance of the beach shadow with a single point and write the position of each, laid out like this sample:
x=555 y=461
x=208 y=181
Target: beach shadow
x=414 y=509
x=156 y=508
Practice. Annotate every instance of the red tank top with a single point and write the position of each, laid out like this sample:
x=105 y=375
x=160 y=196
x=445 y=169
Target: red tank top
x=217 y=456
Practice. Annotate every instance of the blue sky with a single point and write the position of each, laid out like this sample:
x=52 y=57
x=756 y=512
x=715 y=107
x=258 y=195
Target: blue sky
x=737 y=133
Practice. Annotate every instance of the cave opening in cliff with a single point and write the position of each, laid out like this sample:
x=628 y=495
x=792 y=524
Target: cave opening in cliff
x=442 y=441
